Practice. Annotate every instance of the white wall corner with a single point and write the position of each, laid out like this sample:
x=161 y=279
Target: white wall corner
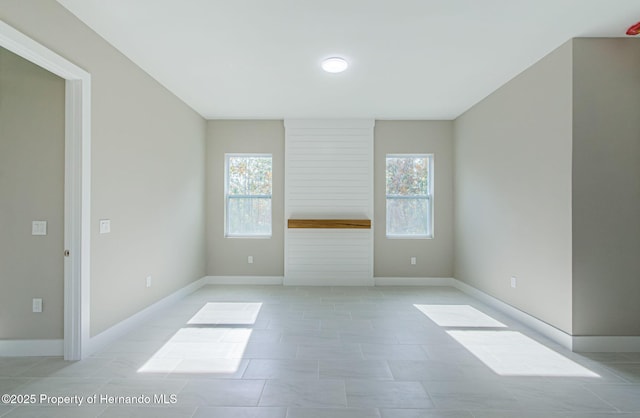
x=124 y=327
x=245 y=280
x=31 y=348
x=532 y=322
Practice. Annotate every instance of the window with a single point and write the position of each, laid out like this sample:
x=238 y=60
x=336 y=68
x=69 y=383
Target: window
x=248 y=195
x=409 y=181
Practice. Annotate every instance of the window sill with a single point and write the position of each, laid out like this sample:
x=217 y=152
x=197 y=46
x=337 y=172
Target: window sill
x=409 y=236
x=249 y=236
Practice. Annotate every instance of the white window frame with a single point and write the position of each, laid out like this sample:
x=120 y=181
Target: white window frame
x=428 y=197
x=227 y=196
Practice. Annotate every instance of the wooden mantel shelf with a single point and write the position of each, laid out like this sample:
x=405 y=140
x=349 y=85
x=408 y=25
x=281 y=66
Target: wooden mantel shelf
x=330 y=223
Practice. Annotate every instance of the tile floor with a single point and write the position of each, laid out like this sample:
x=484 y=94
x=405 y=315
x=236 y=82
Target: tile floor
x=316 y=352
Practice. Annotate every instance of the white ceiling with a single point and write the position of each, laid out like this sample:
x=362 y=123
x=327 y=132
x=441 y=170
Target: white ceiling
x=409 y=59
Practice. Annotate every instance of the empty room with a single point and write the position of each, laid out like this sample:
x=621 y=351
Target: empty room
x=320 y=209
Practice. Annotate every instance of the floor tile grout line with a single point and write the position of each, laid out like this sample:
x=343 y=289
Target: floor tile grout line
x=584 y=386
x=264 y=385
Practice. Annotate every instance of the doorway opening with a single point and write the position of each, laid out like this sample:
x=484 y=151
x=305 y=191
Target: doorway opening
x=77 y=184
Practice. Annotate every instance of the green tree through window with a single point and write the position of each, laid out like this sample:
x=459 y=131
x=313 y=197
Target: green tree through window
x=248 y=195
x=408 y=195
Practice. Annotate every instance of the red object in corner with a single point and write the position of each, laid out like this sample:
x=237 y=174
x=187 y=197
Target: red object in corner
x=634 y=29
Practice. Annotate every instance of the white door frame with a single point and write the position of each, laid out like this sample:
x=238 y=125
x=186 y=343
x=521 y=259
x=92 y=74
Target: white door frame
x=77 y=185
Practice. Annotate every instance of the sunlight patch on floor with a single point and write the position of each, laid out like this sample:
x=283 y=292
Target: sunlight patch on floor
x=214 y=313
x=459 y=316
x=213 y=341
x=511 y=353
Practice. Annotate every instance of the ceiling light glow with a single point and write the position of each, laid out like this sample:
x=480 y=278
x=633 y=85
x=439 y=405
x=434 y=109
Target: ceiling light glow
x=334 y=65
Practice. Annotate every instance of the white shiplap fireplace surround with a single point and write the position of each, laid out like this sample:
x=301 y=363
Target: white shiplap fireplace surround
x=328 y=175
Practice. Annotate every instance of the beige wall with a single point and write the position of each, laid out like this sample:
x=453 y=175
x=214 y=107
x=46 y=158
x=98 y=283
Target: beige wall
x=228 y=256
x=513 y=191
x=606 y=187
x=148 y=154
x=434 y=256
x=31 y=188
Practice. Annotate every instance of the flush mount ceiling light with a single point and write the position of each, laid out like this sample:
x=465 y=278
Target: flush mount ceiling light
x=334 y=65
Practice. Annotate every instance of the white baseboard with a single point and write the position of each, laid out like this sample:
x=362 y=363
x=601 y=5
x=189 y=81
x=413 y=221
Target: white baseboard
x=304 y=281
x=414 y=281
x=532 y=322
x=296 y=281
x=31 y=348
x=124 y=327
x=613 y=344
x=245 y=280
x=575 y=343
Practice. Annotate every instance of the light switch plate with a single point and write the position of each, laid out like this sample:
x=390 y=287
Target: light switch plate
x=105 y=226
x=39 y=228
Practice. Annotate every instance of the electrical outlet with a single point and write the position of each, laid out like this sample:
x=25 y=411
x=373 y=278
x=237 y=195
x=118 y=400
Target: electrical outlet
x=413 y=261
x=514 y=282
x=36 y=305
x=148 y=281
x=250 y=259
